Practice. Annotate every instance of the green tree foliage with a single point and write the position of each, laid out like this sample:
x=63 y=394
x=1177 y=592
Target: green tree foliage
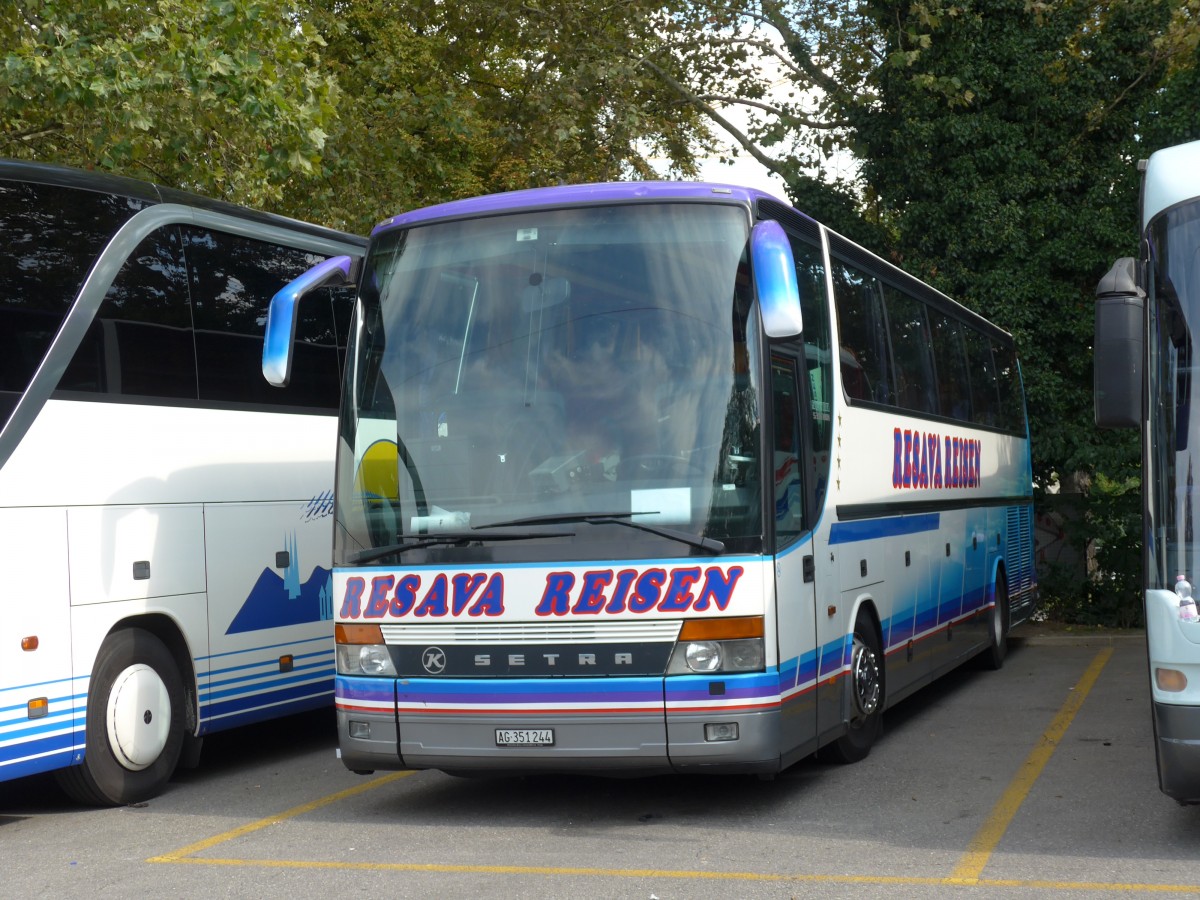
x=997 y=143
x=219 y=97
x=343 y=112
x=440 y=101
x=1001 y=155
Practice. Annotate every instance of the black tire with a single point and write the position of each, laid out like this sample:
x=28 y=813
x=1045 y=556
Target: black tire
x=135 y=723
x=866 y=697
x=998 y=624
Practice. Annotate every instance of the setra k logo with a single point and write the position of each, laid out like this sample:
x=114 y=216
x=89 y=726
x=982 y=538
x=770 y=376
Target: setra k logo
x=433 y=659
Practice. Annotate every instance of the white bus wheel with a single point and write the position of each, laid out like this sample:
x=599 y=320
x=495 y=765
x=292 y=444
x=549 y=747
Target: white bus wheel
x=134 y=725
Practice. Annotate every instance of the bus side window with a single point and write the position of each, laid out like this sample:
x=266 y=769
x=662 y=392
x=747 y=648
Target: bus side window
x=52 y=237
x=788 y=489
x=232 y=281
x=909 y=330
x=985 y=398
x=140 y=342
x=1012 y=416
x=818 y=361
x=862 y=334
x=953 y=376
x=341 y=299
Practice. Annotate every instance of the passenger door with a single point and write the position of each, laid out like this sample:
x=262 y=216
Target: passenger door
x=795 y=582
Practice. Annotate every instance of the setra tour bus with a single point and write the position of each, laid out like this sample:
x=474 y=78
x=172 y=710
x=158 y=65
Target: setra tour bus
x=657 y=477
x=166 y=513
x=1147 y=310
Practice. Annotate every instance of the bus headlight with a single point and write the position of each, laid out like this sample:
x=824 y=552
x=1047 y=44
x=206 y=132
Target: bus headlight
x=703 y=656
x=711 y=646
x=365 y=659
x=711 y=657
x=361 y=651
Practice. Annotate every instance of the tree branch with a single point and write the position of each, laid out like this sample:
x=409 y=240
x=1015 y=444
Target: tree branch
x=773 y=110
x=709 y=110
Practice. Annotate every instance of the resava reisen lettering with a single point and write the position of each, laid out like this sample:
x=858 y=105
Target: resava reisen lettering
x=596 y=592
x=926 y=461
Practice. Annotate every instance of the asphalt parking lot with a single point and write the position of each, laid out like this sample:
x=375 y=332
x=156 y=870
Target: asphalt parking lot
x=1037 y=780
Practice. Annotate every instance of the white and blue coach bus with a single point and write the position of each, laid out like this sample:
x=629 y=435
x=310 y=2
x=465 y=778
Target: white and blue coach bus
x=640 y=478
x=166 y=514
x=1147 y=311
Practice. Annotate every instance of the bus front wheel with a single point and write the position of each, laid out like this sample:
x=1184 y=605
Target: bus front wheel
x=866 y=697
x=134 y=724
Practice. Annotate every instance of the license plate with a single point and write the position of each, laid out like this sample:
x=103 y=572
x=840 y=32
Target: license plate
x=524 y=737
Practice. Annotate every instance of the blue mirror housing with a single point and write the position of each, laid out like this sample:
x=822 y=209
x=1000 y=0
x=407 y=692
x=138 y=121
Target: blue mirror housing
x=282 y=313
x=775 y=279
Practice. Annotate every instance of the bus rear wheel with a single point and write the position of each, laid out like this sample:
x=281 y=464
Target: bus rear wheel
x=997 y=649
x=134 y=724
x=866 y=697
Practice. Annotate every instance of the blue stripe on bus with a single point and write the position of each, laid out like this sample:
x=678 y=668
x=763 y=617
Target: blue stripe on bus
x=266 y=685
x=480 y=692
x=758 y=687
x=608 y=692
x=43 y=755
x=325 y=639
x=246 y=707
x=24 y=728
x=325 y=655
x=270 y=676
x=891 y=526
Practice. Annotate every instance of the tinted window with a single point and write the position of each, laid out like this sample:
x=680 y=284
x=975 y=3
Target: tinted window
x=1012 y=412
x=789 y=499
x=953 y=375
x=51 y=237
x=911 y=356
x=985 y=398
x=862 y=333
x=232 y=281
x=140 y=343
x=818 y=361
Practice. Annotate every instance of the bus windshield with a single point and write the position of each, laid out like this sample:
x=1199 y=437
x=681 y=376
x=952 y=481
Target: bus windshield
x=554 y=370
x=1175 y=269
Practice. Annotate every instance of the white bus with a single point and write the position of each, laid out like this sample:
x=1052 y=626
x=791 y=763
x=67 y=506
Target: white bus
x=1147 y=310
x=639 y=478
x=166 y=513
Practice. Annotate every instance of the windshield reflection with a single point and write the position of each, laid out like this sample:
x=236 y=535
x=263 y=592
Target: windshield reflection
x=1174 y=445
x=590 y=362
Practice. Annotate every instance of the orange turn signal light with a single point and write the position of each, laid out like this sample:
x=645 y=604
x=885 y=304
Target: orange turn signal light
x=1170 y=680
x=357 y=634
x=722 y=629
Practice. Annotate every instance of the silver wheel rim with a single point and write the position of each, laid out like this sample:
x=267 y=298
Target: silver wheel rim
x=864 y=670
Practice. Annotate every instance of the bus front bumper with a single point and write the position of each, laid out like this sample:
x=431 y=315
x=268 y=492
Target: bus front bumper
x=1177 y=730
x=643 y=741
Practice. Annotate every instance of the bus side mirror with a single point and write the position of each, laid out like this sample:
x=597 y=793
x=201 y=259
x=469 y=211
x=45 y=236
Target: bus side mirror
x=284 y=310
x=1118 y=353
x=775 y=280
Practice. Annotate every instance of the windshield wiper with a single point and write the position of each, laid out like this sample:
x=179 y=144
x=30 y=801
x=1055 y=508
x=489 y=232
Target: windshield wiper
x=618 y=518
x=454 y=539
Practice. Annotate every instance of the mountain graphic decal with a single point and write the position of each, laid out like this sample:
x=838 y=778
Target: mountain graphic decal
x=277 y=600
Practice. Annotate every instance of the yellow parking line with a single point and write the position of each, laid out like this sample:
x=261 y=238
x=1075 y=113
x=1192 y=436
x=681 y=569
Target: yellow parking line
x=687 y=875
x=981 y=847
x=966 y=873
x=207 y=843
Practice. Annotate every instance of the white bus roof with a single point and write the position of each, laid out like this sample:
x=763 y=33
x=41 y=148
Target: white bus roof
x=1172 y=176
